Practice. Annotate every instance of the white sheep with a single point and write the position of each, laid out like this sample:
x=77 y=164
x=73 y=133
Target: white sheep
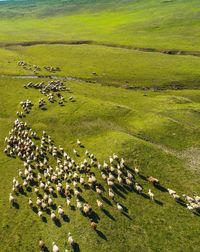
x=55 y=248
x=151 y=195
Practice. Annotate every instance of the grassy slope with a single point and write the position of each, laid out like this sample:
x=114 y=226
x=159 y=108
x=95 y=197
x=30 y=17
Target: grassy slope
x=144 y=23
x=113 y=66
x=107 y=118
x=155 y=131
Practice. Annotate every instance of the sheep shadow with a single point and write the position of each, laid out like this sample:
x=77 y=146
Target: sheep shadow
x=126 y=215
x=35 y=210
x=160 y=187
x=76 y=247
x=107 y=213
x=143 y=177
x=181 y=202
x=128 y=188
x=107 y=201
x=118 y=192
x=58 y=223
x=94 y=216
x=16 y=205
x=44 y=219
x=45 y=249
x=158 y=202
x=102 y=235
x=66 y=218
x=73 y=208
x=121 y=188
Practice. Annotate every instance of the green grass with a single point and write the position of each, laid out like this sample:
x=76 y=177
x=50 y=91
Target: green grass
x=154 y=24
x=106 y=120
x=118 y=67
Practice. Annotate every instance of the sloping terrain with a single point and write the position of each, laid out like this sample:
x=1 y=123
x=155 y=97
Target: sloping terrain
x=143 y=105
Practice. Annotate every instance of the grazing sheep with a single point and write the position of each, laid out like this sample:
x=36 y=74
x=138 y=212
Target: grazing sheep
x=138 y=188
x=30 y=202
x=93 y=225
x=111 y=194
x=153 y=181
x=136 y=170
x=70 y=239
x=171 y=192
x=99 y=204
x=151 y=195
x=61 y=211
x=12 y=199
x=119 y=207
x=55 y=248
x=41 y=244
x=53 y=216
x=40 y=213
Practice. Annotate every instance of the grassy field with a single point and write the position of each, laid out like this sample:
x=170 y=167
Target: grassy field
x=144 y=23
x=113 y=66
x=131 y=107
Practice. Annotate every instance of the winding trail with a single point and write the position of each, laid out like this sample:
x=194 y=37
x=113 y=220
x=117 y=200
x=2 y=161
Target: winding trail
x=91 y=42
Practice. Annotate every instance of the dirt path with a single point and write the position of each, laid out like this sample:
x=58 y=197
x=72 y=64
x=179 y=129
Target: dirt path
x=91 y=42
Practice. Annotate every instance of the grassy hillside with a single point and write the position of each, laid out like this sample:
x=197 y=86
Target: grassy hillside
x=113 y=66
x=147 y=130
x=144 y=23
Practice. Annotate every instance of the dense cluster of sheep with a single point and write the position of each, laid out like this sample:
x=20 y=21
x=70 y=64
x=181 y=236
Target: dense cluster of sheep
x=26 y=106
x=51 y=90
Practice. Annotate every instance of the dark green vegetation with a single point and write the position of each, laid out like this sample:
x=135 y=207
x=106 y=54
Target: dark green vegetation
x=156 y=129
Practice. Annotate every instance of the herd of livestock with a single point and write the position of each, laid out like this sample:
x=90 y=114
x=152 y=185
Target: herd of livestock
x=50 y=172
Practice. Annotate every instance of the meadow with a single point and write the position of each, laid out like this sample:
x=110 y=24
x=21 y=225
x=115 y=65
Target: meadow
x=144 y=106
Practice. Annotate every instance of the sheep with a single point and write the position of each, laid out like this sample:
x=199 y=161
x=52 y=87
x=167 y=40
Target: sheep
x=176 y=196
x=188 y=198
x=41 y=244
x=119 y=207
x=99 y=204
x=75 y=152
x=78 y=142
x=86 y=208
x=70 y=240
x=189 y=207
x=55 y=248
x=93 y=225
x=136 y=170
x=153 y=180
x=79 y=204
x=111 y=194
x=138 y=188
x=40 y=213
x=115 y=157
x=98 y=190
x=38 y=202
x=151 y=195
x=30 y=202
x=68 y=201
x=53 y=216
x=12 y=199
x=171 y=192
x=61 y=211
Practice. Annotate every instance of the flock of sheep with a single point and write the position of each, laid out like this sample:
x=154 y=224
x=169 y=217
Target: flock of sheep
x=36 y=68
x=50 y=172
